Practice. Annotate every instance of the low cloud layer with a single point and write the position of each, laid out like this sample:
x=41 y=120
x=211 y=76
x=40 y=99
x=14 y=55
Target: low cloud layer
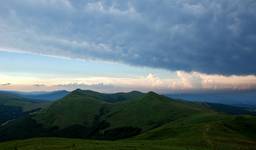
x=183 y=81
x=5 y=84
x=201 y=81
x=209 y=36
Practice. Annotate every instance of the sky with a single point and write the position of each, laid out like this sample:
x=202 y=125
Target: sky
x=112 y=46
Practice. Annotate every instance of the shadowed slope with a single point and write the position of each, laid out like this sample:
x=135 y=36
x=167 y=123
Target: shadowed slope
x=13 y=106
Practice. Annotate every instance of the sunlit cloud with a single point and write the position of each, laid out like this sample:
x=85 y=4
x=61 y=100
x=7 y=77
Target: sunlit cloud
x=197 y=81
x=184 y=81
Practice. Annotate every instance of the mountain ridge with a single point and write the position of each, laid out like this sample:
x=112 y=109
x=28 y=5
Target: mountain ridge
x=38 y=95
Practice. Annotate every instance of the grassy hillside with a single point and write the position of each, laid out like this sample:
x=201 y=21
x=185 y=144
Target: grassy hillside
x=24 y=103
x=152 y=110
x=213 y=130
x=134 y=112
x=13 y=106
x=79 y=144
x=83 y=108
x=228 y=109
x=148 y=120
x=76 y=108
x=88 y=114
x=76 y=144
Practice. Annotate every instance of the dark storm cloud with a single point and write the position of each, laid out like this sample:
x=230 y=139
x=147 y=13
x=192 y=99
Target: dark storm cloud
x=210 y=36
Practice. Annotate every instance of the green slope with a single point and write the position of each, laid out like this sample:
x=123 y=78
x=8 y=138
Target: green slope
x=88 y=114
x=12 y=107
x=76 y=108
x=81 y=107
x=213 y=130
x=150 y=111
x=16 y=101
x=79 y=144
x=144 y=111
x=143 y=118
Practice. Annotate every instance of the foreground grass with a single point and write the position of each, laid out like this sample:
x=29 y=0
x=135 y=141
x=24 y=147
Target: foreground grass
x=79 y=144
x=198 y=132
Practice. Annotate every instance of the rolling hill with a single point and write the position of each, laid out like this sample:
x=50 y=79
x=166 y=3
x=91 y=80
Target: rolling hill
x=80 y=107
x=138 y=119
x=13 y=106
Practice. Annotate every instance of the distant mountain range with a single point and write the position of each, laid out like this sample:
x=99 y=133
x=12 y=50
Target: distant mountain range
x=245 y=98
x=234 y=98
x=42 y=96
x=137 y=116
x=13 y=106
